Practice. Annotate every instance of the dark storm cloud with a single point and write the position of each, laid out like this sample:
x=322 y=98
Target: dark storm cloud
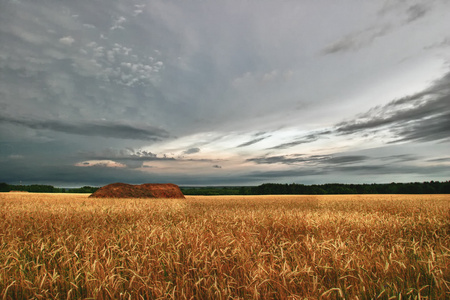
x=67 y=175
x=424 y=116
x=430 y=129
x=61 y=174
x=103 y=129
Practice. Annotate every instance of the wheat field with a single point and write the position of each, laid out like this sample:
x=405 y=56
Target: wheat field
x=66 y=246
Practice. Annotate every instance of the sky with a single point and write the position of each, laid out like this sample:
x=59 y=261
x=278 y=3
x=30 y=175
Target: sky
x=224 y=92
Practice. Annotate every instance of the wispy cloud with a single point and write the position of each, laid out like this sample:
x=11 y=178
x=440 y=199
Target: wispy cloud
x=416 y=11
x=123 y=154
x=291 y=159
x=118 y=23
x=125 y=157
x=67 y=40
x=251 y=142
x=407 y=12
x=191 y=150
x=137 y=158
x=312 y=137
x=363 y=38
x=345 y=159
x=287 y=159
x=400 y=158
x=103 y=129
x=424 y=116
x=441 y=159
x=356 y=40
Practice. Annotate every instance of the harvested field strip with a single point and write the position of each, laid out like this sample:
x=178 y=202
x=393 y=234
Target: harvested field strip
x=249 y=247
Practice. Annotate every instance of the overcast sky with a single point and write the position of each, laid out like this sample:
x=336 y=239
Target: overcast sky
x=224 y=92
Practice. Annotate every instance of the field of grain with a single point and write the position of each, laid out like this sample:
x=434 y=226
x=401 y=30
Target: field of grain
x=61 y=246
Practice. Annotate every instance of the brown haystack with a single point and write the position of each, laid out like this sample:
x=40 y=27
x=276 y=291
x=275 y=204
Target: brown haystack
x=148 y=190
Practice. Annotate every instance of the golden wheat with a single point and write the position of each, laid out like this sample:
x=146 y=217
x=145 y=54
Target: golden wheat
x=56 y=246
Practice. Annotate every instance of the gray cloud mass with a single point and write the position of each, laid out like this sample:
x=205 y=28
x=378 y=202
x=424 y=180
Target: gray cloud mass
x=424 y=116
x=224 y=92
x=192 y=150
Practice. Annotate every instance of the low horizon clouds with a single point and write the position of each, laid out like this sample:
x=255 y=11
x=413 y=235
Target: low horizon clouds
x=224 y=92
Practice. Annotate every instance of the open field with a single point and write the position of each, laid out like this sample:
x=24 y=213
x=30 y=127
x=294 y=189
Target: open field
x=225 y=247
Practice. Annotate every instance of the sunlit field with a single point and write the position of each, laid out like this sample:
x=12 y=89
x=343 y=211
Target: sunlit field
x=64 y=246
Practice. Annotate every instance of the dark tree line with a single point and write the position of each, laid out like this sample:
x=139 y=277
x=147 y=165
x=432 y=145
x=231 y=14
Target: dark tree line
x=431 y=187
x=212 y=190
x=41 y=188
x=428 y=187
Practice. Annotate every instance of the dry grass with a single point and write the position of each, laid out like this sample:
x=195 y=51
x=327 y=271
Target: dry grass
x=229 y=247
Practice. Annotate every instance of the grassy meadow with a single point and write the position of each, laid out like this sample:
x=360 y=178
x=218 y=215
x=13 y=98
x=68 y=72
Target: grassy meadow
x=68 y=246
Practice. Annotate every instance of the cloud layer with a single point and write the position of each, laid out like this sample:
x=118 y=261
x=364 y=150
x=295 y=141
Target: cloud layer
x=224 y=92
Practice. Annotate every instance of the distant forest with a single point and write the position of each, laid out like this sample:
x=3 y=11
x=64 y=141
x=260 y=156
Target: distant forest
x=432 y=187
x=40 y=188
x=429 y=187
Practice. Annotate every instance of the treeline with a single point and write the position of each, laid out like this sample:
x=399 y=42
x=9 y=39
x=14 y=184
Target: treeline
x=428 y=187
x=214 y=191
x=431 y=187
x=41 y=188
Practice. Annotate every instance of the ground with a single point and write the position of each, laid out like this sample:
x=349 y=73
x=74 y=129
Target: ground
x=222 y=247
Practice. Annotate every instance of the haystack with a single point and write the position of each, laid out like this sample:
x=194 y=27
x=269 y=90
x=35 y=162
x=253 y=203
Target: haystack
x=148 y=190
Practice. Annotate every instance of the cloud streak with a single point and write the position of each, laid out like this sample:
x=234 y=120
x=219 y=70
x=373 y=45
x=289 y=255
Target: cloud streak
x=287 y=159
x=357 y=40
x=103 y=129
x=312 y=137
x=363 y=38
x=424 y=116
x=251 y=142
x=192 y=150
